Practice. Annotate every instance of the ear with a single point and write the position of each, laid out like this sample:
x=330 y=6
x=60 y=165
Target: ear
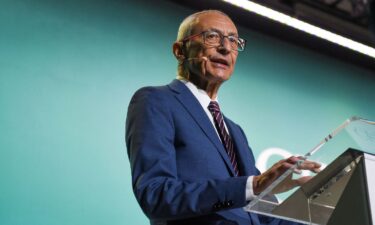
x=178 y=51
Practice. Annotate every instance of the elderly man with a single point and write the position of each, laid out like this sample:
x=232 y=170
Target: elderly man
x=190 y=164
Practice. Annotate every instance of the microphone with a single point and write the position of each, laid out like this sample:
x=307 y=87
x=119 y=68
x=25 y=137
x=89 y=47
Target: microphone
x=203 y=58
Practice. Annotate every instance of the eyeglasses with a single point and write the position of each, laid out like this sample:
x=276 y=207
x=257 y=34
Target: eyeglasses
x=216 y=38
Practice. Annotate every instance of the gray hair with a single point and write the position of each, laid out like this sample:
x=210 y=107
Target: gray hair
x=188 y=23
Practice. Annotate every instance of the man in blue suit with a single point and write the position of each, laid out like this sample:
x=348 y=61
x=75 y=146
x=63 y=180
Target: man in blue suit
x=190 y=164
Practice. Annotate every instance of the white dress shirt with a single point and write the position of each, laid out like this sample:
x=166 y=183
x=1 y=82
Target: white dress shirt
x=205 y=100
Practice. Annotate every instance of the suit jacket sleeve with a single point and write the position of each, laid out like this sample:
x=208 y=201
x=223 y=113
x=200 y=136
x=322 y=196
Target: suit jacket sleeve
x=161 y=193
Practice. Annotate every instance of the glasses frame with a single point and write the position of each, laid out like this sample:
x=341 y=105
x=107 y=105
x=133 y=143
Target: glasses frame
x=222 y=36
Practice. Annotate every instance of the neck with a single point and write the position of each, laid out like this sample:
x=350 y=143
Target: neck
x=211 y=87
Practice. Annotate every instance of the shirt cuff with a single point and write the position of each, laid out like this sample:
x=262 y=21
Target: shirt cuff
x=249 y=189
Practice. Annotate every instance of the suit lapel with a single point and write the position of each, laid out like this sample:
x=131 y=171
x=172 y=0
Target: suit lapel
x=242 y=150
x=192 y=105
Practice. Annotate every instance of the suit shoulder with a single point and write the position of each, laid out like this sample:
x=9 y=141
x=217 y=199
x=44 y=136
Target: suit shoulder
x=151 y=94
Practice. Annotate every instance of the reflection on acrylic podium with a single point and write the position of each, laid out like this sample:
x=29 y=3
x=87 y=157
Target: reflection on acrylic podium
x=343 y=193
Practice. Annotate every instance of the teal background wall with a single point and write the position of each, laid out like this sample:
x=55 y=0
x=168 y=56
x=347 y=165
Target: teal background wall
x=69 y=68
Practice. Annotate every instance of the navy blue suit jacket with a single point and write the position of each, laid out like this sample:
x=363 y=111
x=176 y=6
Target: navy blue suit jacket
x=181 y=173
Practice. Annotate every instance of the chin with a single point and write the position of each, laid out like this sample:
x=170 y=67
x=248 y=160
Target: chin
x=221 y=75
x=220 y=78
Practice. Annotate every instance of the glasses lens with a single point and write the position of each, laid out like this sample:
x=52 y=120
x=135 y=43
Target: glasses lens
x=212 y=38
x=234 y=42
x=241 y=44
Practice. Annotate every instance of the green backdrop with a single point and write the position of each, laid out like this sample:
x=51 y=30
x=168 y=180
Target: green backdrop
x=69 y=68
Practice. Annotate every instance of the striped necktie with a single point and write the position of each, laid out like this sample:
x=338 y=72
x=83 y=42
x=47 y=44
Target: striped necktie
x=225 y=138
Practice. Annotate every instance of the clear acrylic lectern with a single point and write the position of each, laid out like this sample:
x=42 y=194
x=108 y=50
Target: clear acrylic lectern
x=343 y=193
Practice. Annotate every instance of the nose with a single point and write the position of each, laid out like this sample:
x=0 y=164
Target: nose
x=225 y=46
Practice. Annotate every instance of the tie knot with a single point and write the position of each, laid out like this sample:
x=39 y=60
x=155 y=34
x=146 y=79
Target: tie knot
x=214 y=107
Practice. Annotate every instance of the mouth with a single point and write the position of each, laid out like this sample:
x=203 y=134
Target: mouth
x=219 y=62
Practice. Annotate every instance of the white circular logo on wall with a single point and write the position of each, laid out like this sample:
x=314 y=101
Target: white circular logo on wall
x=266 y=154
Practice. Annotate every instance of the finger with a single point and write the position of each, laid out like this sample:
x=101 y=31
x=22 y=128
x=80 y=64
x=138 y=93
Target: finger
x=310 y=164
x=289 y=162
x=292 y=159
x=284 y=166
x=303 y=180
x=297 y=171
x=316 y=170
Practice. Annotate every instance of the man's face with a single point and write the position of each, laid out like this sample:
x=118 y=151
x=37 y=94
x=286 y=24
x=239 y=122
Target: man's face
x=220 y=59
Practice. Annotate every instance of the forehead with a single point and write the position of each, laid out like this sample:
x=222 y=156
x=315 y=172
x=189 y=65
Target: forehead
x=214 y=21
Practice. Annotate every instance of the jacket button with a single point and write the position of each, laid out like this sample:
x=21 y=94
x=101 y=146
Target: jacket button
x=229 y=203
x=218 y=205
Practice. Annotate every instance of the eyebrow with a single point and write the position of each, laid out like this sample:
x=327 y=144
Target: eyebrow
x=229 y=34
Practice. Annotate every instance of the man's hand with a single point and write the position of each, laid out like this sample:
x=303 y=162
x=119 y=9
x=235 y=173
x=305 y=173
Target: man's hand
x=262 y=181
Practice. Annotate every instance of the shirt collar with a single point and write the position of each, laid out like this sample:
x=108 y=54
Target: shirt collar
x=200 y=94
